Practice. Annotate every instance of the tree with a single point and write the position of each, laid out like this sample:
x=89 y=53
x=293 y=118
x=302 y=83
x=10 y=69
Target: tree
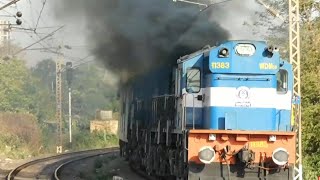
x=44 y=75
x=91 y=91
x=17 y=90
x=310 y=68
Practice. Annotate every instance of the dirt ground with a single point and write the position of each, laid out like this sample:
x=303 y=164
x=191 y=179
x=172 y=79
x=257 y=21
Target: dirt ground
x=7 y=164
x=85 y=169
x=116 y=165
x=121 y=167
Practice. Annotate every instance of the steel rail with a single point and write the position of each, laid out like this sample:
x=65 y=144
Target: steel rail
x=15 y=171
x=59 y=169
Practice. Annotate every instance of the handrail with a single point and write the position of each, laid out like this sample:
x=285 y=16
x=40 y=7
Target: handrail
x=193 y=111
x=184 y=111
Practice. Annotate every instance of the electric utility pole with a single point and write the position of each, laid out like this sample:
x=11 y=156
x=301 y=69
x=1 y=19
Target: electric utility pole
x=59 y=105
x=69 y=80
x=294 y=43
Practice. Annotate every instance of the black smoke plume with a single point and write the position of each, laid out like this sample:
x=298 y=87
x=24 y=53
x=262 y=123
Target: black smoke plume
x=135 y=35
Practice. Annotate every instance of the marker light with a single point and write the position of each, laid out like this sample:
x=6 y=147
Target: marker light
x=206 y=154
x=280 y=156
x=223 y=52
x=245 y=49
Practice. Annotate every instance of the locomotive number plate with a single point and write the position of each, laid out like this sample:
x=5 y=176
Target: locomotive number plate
x=259 y=144
x=220 y=65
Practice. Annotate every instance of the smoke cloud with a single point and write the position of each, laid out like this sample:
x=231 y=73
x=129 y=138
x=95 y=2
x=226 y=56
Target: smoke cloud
x=135 y=35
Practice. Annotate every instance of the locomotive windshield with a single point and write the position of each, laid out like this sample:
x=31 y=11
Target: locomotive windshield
x=193 y=80
x=282 y=81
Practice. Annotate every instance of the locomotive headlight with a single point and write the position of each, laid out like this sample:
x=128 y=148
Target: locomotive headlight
x=280 y=156
x=206 y=154
x=223 y=52
x=245 y=49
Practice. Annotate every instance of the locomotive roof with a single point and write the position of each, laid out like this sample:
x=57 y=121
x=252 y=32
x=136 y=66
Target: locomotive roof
x=194 y=54
x=208 y=48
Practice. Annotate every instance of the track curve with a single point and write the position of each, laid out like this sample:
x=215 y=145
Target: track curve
x=60 y=168
x=59 y=158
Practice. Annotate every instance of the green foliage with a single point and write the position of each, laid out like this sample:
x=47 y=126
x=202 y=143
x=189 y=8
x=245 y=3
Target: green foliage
x=102 y=169
x=91 y=91
x=86 y=140
x=33 y=91
x=310 y=86
x=20 y=135
x=311 y=166
x=44 y=77
x=310 y=68
x=17 y=91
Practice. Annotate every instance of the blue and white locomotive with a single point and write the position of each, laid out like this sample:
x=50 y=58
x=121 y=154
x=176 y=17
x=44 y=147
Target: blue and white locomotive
x=221 y=112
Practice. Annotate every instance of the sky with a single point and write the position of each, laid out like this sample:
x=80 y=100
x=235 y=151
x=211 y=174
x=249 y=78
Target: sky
x=241 y=23
x=72 y=34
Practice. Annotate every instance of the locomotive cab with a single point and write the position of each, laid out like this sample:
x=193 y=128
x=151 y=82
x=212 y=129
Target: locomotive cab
x=237 y=86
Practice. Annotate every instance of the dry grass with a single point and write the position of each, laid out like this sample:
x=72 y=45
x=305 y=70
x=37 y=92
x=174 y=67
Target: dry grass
x=19 y=134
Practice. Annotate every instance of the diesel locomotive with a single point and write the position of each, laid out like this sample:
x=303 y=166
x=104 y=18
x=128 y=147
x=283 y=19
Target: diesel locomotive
x=223 y=112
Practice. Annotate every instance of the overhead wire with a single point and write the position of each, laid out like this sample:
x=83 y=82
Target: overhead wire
x=25 y=22
x=9 y=4
x=52 y=33
x=47 y=27
x=38 y=35
x=82 y=63
x=43 y=5
x=45 y=42
x=29 y=32
x=33 y=32
x=212 y=4
x=31 y=12
x=196 y=15
x=85 y=57
x=24 y=29
x=37 y=23
x=39 y=40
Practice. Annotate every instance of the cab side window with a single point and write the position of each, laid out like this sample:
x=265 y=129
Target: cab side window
x=193 y=80
x=282 y=81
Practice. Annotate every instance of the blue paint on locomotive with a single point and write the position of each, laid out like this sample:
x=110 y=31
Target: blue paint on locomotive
x=261 y=107
x=144 y=88
x=198 y=117
x=230 y=118
x=245 y=64
x=237 y=80
x=264 y=109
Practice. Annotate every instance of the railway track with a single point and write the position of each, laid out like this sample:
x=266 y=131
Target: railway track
x=60 y=168
x=142 y=174
x=49 y=167
x=64 y=169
